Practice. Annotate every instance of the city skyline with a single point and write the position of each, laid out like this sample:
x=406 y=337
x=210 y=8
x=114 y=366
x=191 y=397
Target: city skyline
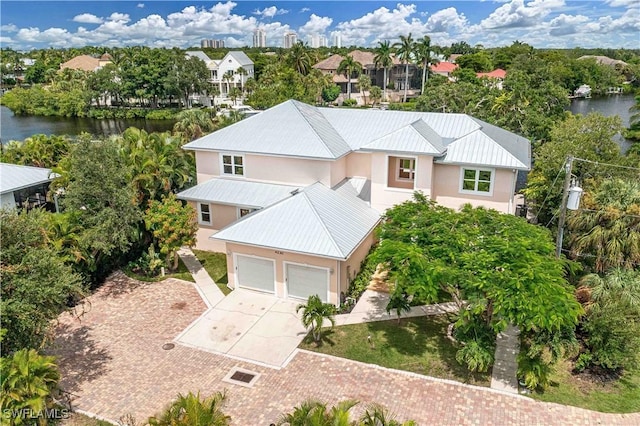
x=541 y=23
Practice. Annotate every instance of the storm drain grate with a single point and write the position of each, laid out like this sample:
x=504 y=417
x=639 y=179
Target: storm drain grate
x=240 y=376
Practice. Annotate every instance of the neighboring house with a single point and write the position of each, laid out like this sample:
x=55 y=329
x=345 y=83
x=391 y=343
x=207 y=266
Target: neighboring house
x=87 y=63
x=292 y=195
x=395 y=74
x=496 y=76
x=605 y=60
x=232 y=62
x=444 y=68
x=24 y=186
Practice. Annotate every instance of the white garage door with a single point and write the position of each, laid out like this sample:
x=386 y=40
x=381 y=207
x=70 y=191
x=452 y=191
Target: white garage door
x=255 y=273
x=305 y=281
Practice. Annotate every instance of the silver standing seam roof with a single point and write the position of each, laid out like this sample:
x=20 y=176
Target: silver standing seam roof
x=241 y=57
x=317 y=221
x=14 y=177
x=295 y=129
x=237 y=192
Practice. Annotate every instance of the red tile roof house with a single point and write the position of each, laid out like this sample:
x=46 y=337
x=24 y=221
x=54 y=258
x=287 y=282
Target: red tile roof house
x=496 y=77
x=292 y=195
x=444 y=68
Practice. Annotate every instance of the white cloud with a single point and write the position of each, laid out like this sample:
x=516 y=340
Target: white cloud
x=9 y=28
x=447 y=20
x=517 y=14
x=315 y=25
x=304 y=10
x=270 y=12
x=623 y=3
x=140 y=5
x=119 y=17
x=567 y=24
x=87 y=18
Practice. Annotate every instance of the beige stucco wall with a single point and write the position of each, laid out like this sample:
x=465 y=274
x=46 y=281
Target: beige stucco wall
x=207 y=165
x=291 y=171
x=384 y=197
x=446 y=189
x=280 y=258
x=221 y=215
x=350 y=267
x=358 y=165
x=338 y=170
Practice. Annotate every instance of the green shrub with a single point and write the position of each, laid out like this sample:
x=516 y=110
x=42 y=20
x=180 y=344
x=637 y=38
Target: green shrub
x=359 y=284
x=349 y=102
x=149 y=264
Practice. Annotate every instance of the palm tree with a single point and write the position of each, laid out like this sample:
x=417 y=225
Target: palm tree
x=618 y=286
x=299 y=58
x=227 y=77
x=423 y=54
x=348 y=66
x=383 y=59
x=364 y=82
x=607 y=229
x=376 y=94
x=315 y=413
x=377 y=415
x=242 y=73
x=29 y=382
x=314 y=313
x=190 y=410
x=405 y=51
x=193 y=123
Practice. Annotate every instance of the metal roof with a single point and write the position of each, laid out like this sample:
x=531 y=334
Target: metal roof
x=237 y=192
x=291 y=129
x=417 y=138
x=241 y=57
x=199 y=54
x=294 y=129
x=479 y=149
x=355 y=187
x=14 y=177
x=317 y=221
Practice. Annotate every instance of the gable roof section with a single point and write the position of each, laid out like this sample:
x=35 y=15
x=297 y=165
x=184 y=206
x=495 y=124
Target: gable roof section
x=331 y=63
x=416 y=137
x=199 y=54
x=291 y=129
x=237 y=192
x=444 y=67
x=240 y=57
x=82 y=62
x=14 y=177
x=334 y=224
x=497 y=73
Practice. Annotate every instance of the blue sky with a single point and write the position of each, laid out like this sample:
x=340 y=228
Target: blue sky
x=541 y=23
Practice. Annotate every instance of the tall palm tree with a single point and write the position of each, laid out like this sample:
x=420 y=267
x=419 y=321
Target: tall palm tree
x=315 y=413
x=383 y=59
x=349 y=66
x=227 y=77
x=618 y=285
x=300 y=58
x=242 y=73
x=423 y=55
x=193 y=123
x=607 y=229
x=29 y=381
x=190 y=410
x=405 y=51
x=314 y=313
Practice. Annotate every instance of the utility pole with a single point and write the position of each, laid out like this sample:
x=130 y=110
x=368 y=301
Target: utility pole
x=563 y=206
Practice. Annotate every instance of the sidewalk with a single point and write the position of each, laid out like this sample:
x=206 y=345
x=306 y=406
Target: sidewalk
x=209 y=291
x=505 y=367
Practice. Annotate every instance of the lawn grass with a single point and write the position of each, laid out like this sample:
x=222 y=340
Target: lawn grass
x=216 y=266
x=182 y=273
x=621 y=396
x=77 y=419
x=417 y=344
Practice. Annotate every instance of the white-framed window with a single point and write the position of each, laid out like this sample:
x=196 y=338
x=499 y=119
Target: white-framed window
x=204 y=213
x=406 y=168
x=476 y=181
x=243 y=211
x=233 y=165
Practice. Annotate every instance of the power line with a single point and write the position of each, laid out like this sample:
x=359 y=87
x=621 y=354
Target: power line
x=607 y=164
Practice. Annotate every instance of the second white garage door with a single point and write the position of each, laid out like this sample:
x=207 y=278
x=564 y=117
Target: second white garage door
x=304 y=281
x=255 y=273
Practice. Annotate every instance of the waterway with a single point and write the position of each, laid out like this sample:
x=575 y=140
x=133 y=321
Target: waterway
x=13 y=127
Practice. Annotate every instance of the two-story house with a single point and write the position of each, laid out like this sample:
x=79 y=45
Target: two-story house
x=24 y=187
x=227 y=73
x=293 y=194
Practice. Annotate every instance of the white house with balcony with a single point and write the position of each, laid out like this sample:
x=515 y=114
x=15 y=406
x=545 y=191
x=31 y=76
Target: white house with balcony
x=231 y=71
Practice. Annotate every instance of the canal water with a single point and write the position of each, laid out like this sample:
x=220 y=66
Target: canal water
x=18 y=128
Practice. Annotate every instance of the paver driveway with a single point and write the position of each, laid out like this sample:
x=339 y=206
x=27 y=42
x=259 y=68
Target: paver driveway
x=113 y=361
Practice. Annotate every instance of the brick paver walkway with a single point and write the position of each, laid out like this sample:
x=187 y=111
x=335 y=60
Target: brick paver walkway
x=113 y=361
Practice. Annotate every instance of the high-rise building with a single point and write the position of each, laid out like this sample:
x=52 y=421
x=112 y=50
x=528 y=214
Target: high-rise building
x=337 y=39
x=216 y=44
x=259 y=38
x=290 y=39
x=317 y=41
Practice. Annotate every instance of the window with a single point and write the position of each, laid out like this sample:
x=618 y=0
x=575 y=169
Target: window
x=406 y=168
x=242 y=212
x=205 y=213
x=477 y=180
x=233 y=165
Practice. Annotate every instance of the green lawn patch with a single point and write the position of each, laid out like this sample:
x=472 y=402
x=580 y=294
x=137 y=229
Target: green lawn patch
x=216 y=266
x=182 y=273
x=620 y=396
x=417 y=344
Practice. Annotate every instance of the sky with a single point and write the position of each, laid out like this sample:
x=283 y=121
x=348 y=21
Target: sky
x=26 y=25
